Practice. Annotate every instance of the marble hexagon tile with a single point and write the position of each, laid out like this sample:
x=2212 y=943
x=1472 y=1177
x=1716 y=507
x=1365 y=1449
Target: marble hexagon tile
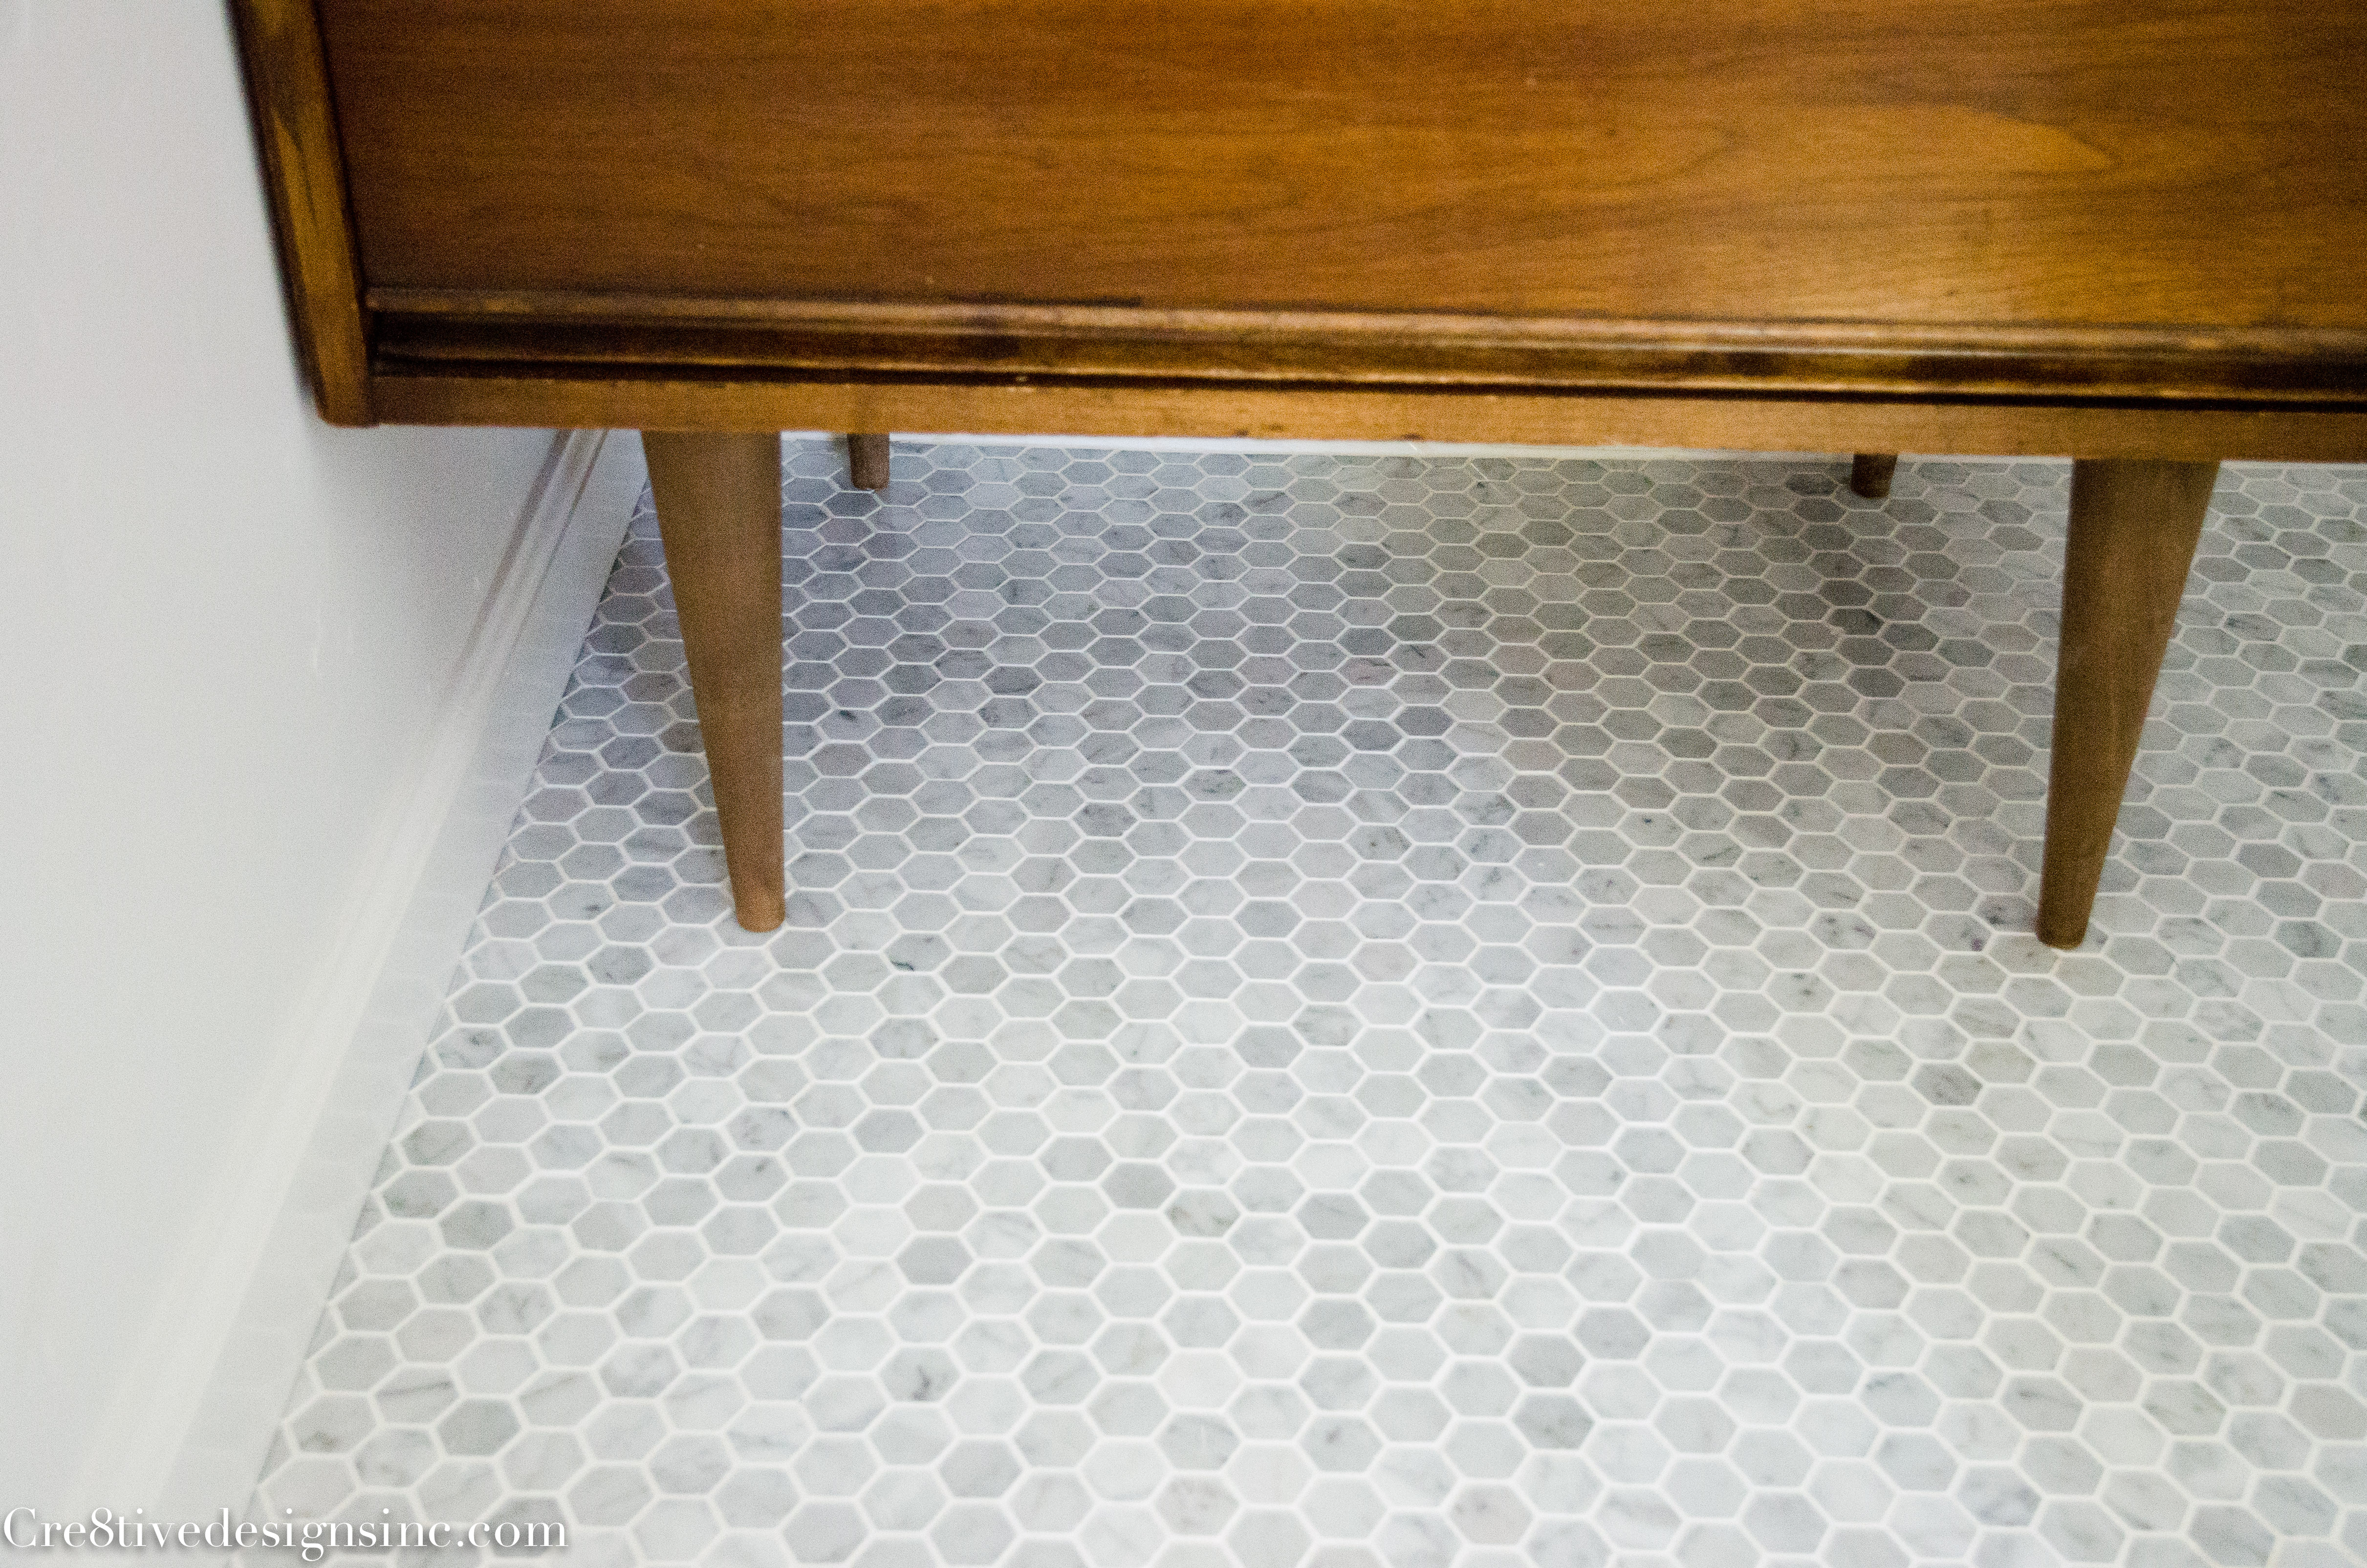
x=1433 y=1012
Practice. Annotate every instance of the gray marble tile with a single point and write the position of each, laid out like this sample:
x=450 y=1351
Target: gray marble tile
x=1413 y=1011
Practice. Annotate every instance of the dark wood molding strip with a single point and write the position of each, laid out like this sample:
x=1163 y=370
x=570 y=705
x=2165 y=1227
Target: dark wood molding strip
x=296 y=133
x=996 y=316
x=2268 y=366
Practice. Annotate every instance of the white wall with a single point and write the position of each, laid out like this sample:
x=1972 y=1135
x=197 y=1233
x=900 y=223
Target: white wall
x=232 y=637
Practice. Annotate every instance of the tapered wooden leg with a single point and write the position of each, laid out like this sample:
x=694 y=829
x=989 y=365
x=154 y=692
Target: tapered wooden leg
x=1870 y=473
x=866 y=462
x=2133 y=526
x=719 y=501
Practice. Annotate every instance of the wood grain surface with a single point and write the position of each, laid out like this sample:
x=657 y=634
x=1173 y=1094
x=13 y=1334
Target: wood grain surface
x=1871 y=473
x=867 y=460
x=296 y=137
x=577 y=398
x=2062 y=164
x=719 y=501
x=2131 y=544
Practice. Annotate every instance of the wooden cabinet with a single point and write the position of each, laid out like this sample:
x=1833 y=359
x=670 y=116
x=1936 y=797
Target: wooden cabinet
x=2078 y=227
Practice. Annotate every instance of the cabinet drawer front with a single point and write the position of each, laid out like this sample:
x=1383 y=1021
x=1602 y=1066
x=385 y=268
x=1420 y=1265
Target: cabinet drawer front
x=1983 y=163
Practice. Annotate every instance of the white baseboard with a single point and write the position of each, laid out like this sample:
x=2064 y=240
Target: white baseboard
x=193 y=1416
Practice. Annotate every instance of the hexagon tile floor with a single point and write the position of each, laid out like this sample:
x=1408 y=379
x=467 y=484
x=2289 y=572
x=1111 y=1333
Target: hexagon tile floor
x=1405 y=1010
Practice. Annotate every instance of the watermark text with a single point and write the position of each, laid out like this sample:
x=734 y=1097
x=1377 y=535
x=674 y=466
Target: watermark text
x=311 y=1539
